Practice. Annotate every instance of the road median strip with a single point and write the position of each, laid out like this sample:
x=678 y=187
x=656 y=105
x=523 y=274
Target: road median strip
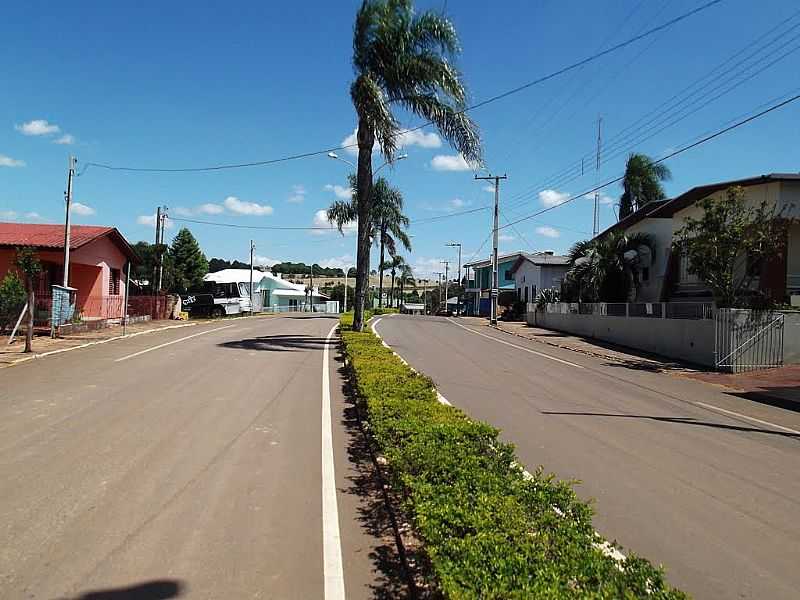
x=487 y=527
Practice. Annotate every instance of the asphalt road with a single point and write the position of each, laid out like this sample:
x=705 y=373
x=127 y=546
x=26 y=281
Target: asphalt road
x=683 y=474
x=196 y=462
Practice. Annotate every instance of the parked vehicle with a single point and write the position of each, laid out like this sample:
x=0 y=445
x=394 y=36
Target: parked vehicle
x=216 y=299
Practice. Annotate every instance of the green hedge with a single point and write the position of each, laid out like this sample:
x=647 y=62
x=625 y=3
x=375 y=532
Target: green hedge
x=487 y=531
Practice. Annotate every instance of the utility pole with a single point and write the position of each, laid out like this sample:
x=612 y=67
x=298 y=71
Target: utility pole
x=495 y=290
x=68 y=198
x=158 y=252
x=438 y=290
x=452 y=245
x=446 y=264
x=311 y=293
x=596 y=216
x=162 y=212
x=252 y=249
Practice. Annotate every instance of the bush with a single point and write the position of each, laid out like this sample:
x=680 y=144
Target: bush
x=12 y=299
x=545 y=297
x=487 y=531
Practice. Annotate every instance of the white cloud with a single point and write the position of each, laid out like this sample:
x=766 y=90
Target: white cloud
x=550 y=198
x=7 y=161
x=405 y=139
x=546 y=231
x=241 y=207
x=458 y=203
x=503 y=237
x=298 y=195
x=182 y=211
x=343 y=193
x=604 y=198
x=321 y=220
x=209 y=208
x=264 y=261
x=82 y=209
x=428 y=266
x=418 y=138
x=150 y=221
x=338 y=262
x=37 y=127
x=489 y=189
x=450 y=162
x=8 y=215
x=32 y=215
x=66 y=140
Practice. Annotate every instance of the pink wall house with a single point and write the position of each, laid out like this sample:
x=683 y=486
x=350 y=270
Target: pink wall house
x=98 y=259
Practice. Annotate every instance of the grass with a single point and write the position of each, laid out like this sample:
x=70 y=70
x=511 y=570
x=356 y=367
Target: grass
x=487 y=531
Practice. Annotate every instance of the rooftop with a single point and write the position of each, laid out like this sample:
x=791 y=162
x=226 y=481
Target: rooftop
x=49 y=236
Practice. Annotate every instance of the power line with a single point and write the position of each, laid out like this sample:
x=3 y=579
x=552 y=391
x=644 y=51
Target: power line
x=662 y=159
x=490 y=100
x=259 y=227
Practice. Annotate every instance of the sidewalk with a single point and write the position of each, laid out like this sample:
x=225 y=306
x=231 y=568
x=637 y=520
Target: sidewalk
x=10 y=354
x=778 y=387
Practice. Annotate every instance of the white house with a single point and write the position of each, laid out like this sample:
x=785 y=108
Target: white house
x=667 y=277
x=280 y=295
x=535 y=272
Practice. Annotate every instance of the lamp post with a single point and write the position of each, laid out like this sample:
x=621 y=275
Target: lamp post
x=335 y=156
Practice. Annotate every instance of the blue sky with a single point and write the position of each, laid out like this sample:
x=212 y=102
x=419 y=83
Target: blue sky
x=154 y=84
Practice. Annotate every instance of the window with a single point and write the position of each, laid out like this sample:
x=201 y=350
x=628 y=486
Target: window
x=508 y=275
x=519 y=293
x=526 y=294
x=646 y=274
x=113 y=282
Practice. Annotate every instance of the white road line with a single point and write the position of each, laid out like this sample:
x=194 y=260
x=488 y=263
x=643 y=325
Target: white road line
x=741 y=416
x=523 y=348
x=188 y=337
x=333 y=572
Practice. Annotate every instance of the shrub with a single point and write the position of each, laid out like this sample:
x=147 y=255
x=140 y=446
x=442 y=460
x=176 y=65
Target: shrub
x=487 y=530
x=12 y=299
x=545 y=297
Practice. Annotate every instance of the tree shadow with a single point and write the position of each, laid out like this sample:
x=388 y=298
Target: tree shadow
x=277 y=343
x=679 y=421
x=159 y=589
x=390 y=557
x=778 y=396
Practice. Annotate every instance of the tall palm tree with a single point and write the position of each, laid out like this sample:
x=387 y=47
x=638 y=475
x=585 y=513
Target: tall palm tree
x=396 y=263
x=401 y=59
x=406 y=276
x=642 y=183
x=387 y=222
x=607 y=269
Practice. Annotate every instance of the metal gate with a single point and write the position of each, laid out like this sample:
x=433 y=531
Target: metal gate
x=747 y=340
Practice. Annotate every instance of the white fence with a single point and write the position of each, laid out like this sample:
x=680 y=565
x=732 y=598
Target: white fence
x=323 y=307
x=747 y=340
x=652 y=310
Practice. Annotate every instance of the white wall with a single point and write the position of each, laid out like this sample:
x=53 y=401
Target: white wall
x=683 y=339
x=661 y=230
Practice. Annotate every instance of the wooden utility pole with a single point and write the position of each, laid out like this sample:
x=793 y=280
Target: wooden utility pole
x=252 y=249
x=596 y=216
x=495 y=291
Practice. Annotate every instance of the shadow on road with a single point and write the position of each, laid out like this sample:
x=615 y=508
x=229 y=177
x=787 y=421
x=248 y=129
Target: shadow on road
x=679 y=421
x=160 y=589
x=779 y=397
x=389 y=557
x=277 y=343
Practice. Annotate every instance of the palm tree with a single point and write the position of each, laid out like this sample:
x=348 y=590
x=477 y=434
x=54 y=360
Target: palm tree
x=389 y=223
x=406 y=276
x=607 y=269
x=396 y=263
x=386 y=225
x=642 y=183
x=401 y=59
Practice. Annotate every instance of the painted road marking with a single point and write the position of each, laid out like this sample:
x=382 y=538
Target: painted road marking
x=523 y=348
x=331 y=539
x=188 y=337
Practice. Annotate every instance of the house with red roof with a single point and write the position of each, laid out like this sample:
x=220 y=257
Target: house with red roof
x=98 y=257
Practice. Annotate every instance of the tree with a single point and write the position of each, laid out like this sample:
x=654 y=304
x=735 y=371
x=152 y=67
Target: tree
x=728 y=246
x=607 y=269
x=401 y=59
x=641 y=183
x=396 y=262
x=28 y=264
x=12 y=299
x=188 y=261
x=406 y=277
